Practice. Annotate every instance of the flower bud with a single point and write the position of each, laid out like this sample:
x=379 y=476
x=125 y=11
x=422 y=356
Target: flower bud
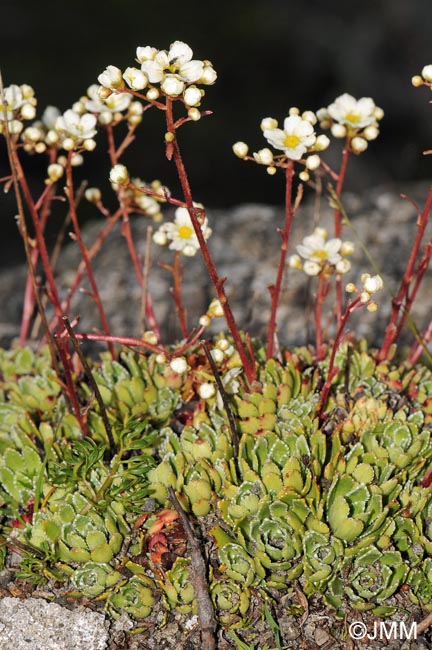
x=364 y=296
x=119 y=175
x=215 y=309
x=347 y=248
x=338 y=130
x=371 y=132
x=55 y=172
x=194 y=114
x=192 y=96
x=322 y=142
x=240 y=149
x=68 y=144
x=417 y=81
x=311 y=268
x=271 y=171
x=378 y=113
x=135 y=79
x=206 y=390
x=89 y=144
x=427 y=72
x=304 y=176
x=150 y=337
x=372 y=306
x=77 y=160
x=343 y=266
x=178 y=365
x=309 y=116
x=152 y=94
x=268 y=123
x=313 y=162
x=217 y=355
x=93 y=194
x=294 y=110
x=223 y=345
x=172 y=86
x=160 y=238
x=28 y=112
x=358 y=144
x=264 y=156
x=294 y=262
x=208 y=76
x=373 y=284
x=204 y=320
x=350 y=288
x=146 y=53
x=111 y=78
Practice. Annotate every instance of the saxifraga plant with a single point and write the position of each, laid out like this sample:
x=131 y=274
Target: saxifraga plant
x=207 y=479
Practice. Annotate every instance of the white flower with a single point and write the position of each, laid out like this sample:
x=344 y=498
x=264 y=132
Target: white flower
x=181 y=232
x=352 y=112
x=177 y=61
x=343 y=266
x=172 y=85
x=19 y=100
x=145 y=53
x=294 y=262
x=347 y=248
x=240 y=149
x=115 y=103
x=372 y=284
x=316 y=249
x=75 y=126
x=49 y=116
x=295 y=138
x=135 y=79
x=111 y=78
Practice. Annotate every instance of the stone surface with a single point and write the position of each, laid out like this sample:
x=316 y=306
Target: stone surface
x=34 y=624
x=245 y=246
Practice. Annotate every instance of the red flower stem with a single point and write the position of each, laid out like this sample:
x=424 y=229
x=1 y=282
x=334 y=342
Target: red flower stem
x=40 y=239
x=416 y=349
x=84 y=252
x=173 y=150
x=338 y=224
x=177 y=272
x=392 y=329
x=285 y=233
x=419 y=272
x=321 y=295
x=64 y=354
x=125 y=227
x=332 y=371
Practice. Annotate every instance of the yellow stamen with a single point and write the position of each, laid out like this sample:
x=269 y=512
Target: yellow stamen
x=352 y=117
x=291 y=141
x=185 y=232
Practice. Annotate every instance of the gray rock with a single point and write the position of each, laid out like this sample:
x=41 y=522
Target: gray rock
x=245 y=247
x=34 y=624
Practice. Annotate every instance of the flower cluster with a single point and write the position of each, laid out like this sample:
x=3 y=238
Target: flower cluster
x=322 y=255
x=425 y=79
x=180 y=233
x=371 y=284
x=76 y=130
x=296 y=139
x=174 y=73
x=19 y=104
x=146 y=203
x=354 y=118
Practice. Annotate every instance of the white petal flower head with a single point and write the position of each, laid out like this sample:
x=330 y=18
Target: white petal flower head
x=316 y=249
x=146 y=53
x=372 y=284
x=182 y=234
x=115 y=103
x=311 y=268
x=209 y=75
x=112 y=78
x=356 y=113
x=75 y=126
x=49 y=116
x=172 y=85
x=14 y=99
x=192 y=96
x=295 y=138
x=135 y=79
x=177 y=61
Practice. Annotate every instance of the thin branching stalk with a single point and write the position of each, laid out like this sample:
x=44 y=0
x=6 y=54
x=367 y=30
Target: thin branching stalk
x=93 y=384
x=402 y=295
x=173 y=151
x=338 y=223
x=84 y=253
x=275 y=289
x=322 y=292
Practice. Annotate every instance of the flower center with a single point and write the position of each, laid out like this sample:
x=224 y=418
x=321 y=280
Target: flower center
x=320 y=253
x=352 y=117
x=185 y=232
x=291 y=141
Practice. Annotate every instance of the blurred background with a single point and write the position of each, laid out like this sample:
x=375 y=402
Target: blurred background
x=269 y=55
